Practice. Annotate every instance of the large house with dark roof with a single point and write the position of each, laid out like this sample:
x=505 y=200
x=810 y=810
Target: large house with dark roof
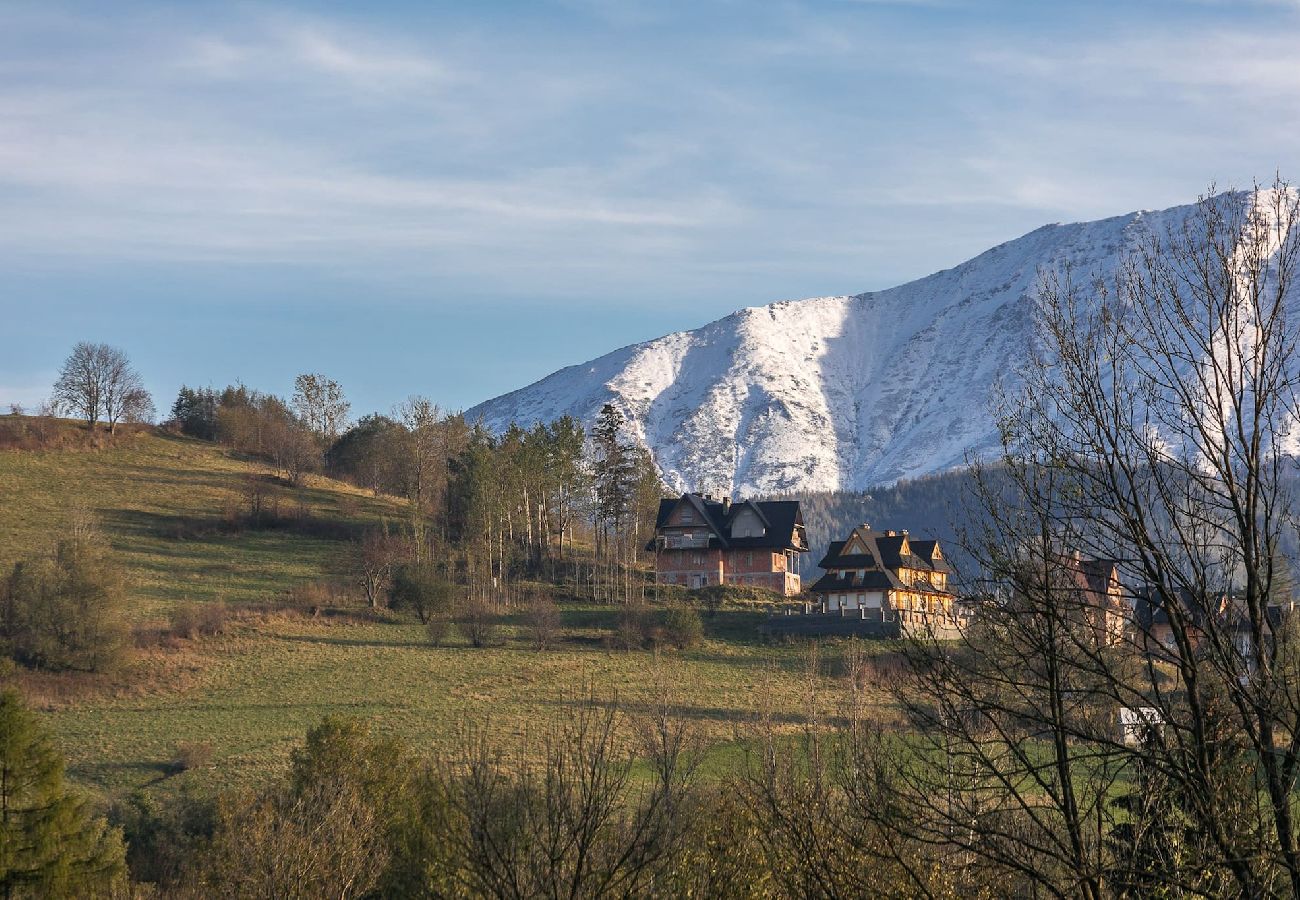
x=888 y=576
x=701 y=541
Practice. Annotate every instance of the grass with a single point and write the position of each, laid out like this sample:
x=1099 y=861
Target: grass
x=162 y=500
x=252 y=692
x=257 y=690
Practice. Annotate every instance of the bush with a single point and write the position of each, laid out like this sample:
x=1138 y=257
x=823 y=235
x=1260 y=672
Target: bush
x=478 y=622
x=191 y=620
x=543 y=622
x=634 y=629
x=746 y=596
x=422 y=590
x=163 y=834
x=191 y=755
x=682 y=626
x=437 y=628
x=64 y=611
x=314 y=596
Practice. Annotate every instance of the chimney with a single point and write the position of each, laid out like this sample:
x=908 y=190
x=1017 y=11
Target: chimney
x=726 y=505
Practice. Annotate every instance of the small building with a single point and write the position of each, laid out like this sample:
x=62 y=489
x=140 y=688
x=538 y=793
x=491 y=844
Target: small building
x=1140 y=726
x=1201 y=615
x=700 y=541
x=888 y=576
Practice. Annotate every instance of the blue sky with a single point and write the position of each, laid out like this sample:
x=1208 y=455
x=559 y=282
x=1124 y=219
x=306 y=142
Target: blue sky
x=455 y=199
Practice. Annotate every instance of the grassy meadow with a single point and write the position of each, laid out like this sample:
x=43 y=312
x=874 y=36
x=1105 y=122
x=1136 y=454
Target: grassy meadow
x=252 y=691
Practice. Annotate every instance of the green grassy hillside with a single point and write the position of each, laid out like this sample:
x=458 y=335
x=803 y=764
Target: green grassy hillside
x=165 y=503
x=252 y=691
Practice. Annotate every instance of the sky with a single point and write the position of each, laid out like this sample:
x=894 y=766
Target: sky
x=456 y=199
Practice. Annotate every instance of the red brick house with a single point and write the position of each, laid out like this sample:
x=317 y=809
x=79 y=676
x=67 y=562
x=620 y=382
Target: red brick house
x=701 y=541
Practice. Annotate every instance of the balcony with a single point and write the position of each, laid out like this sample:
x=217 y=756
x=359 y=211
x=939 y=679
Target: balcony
x=684 y=542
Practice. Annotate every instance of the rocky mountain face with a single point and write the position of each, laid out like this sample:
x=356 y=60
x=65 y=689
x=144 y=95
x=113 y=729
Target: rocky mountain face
x=837 y=393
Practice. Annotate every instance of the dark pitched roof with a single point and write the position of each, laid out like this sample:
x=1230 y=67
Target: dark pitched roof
x=884 y=550
x=780 y=519
x=925 y=550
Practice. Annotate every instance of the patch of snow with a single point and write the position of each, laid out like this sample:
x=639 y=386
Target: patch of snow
x=836 y=393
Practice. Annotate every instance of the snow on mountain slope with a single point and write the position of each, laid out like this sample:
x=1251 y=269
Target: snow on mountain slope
x=834 y=393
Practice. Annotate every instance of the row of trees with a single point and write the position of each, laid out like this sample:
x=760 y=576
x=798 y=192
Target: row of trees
x=483 y=509
x=601 y=803
x=490 y=506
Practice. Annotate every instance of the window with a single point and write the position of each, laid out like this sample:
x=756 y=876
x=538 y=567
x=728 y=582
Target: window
x=749 y=558
x=687 y=517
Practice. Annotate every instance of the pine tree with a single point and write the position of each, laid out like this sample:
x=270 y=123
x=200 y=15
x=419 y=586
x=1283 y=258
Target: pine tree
x=50 y=844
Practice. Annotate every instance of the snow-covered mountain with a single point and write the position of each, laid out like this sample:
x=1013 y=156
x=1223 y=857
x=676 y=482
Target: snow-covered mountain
x=835 y=393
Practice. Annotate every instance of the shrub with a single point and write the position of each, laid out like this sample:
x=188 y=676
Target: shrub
x=478 y=622
x=191 y=755
x=543 y=622
x=634 y=628
x=422 y=590
x=64 y=611
x=716 y=596
x=437 y=628
x=191 y=620
x=682 y=626
x=316 y=595
x=163 y=834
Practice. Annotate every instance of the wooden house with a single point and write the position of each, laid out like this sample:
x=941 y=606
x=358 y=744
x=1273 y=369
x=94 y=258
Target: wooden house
x=890 y=577
x=701 y=541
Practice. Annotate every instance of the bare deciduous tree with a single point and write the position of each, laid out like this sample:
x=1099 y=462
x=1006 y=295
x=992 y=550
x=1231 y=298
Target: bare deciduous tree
x=320 y=403
x=377 y=557
x=579 y=828
x=1153 y=432
x=98 y=383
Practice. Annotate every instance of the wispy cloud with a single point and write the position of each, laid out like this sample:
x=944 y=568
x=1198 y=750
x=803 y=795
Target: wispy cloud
x=721 y=143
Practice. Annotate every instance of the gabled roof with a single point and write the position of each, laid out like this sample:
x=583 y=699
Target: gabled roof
x=885 y=552
x=929 y=551
x=780 y=520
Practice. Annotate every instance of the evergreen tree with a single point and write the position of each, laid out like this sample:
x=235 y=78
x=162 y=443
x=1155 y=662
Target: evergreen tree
x=50 y=843
x=195 y=412
x=613 y=467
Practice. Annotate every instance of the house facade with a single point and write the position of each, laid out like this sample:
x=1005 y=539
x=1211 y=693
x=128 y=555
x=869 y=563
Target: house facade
x=1105 y=609
x=891 y=577
x=700 y=541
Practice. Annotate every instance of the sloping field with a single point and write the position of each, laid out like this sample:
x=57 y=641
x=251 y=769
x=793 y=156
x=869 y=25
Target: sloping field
x=250 y=693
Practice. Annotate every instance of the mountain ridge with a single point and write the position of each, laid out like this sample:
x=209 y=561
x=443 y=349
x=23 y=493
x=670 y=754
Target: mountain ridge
x=842 y=392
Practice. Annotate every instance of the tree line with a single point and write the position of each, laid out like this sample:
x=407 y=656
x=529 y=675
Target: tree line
x=483 y=510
